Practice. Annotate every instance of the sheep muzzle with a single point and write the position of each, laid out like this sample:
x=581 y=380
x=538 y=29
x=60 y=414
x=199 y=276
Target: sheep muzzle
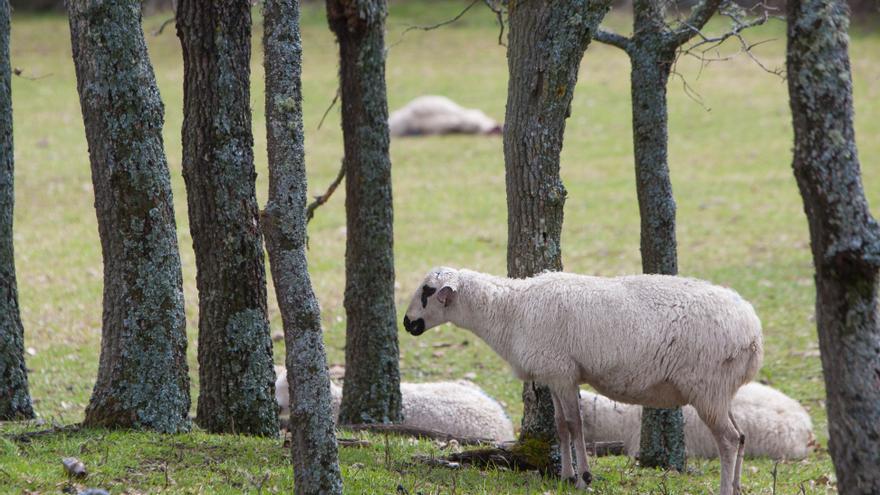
x=416 y=327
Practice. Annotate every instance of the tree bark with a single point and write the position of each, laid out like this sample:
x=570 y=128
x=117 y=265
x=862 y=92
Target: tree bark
x=371 y=391
x=15 y=400
x=313 y=446
x=235 y=352
x=845 y=238
x=546 y=43
x=142 y=376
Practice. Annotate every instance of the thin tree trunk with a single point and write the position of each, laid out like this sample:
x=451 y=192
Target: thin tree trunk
x=314 y=448
x=142 y=377
x=845 y=238
x=662 y=430
x=371 y=391
x=236 y=377
x=15 y=400
x=545 y=46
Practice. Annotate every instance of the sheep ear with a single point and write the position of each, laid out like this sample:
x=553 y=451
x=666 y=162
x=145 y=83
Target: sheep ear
x=446 y=295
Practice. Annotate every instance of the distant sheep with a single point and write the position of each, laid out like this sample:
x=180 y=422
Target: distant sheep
x=458 y=408
x=655 y=340
x=427 y=115
x=776 y=425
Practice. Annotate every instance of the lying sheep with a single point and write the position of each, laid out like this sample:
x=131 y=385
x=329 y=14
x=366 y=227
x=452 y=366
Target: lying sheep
x=654 y=340
x=428 y=115
x=458 y=408
x=775 y=424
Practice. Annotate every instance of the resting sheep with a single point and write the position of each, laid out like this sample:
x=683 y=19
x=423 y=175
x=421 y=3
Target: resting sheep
x=654 y=340
x=428 y=115
x=458 y=408
x=775 y=424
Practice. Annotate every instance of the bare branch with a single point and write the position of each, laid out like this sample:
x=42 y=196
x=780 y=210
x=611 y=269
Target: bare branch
x=329 y=107
x=162 y=26
x=611 y=38
x=495 y=7
x=700 y=15
x=319 y=200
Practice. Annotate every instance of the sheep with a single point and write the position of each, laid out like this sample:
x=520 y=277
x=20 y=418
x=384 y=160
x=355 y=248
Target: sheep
x=654 y=340
x=458 y=408
x=777 y=425
x=427 y=115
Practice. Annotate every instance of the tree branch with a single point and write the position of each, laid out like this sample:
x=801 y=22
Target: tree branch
x=611 y=38
x=700 y=15
x=319 y=200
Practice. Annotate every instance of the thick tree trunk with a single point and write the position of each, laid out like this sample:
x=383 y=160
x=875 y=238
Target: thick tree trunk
x=15 y=401
x=652 y=54
x=235 y=351
x=371 y=392
x=314 y=448
x=845 y=238
x=142 y=377
x=545 y=46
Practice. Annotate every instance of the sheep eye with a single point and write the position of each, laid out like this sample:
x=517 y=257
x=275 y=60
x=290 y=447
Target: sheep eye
x=426 y=293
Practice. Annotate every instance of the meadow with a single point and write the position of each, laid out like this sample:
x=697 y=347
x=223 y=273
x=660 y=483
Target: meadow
x=740 y=224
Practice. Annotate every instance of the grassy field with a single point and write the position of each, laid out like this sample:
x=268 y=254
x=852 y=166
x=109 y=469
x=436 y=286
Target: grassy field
x=740 y=224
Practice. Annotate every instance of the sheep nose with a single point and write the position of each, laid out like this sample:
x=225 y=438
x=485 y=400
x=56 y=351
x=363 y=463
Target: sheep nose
x=416 y=327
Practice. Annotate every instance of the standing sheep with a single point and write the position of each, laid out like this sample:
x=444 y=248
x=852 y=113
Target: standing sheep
x=775 y=424
x=429 y=115
x=458 y=408
x=654 y=340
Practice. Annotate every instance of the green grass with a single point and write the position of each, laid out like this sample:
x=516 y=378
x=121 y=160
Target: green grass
x=740 y=224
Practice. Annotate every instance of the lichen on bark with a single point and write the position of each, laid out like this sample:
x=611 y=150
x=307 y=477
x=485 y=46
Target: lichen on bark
x=313 y=446
x=371 y=391
x=15 y=400
x=142 y=375
x=844 y=237
x=236 y=377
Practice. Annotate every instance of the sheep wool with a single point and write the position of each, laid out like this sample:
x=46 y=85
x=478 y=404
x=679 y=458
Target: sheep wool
x=458 y=408
x=432 y=114
x=775 y=425
x=653 y=340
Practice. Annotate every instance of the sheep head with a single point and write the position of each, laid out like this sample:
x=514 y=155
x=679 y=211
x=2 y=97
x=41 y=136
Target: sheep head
x=431 y=302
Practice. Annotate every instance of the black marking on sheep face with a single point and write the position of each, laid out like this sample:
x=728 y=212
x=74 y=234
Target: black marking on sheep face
x=427 y=292
x=587 y=477
x=416 y=327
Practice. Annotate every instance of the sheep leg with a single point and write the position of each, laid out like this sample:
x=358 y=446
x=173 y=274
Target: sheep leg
x=571 y=405
x=740 y=453
x=564 y=437
x=727 y=440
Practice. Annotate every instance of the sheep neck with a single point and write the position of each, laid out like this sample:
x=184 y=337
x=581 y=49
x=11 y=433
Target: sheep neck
x=480 y=305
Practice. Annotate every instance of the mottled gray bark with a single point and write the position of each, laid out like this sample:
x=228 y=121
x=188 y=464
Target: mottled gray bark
x=142 y=376
x=237 y=392
x=15 y=401
x=845 y=238
x=546 y=43
x=652 y=50
x=313 y=445
x=371 y=392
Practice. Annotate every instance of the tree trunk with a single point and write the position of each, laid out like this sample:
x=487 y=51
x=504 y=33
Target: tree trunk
x=546 y=43
x=314 y=449
x=15 y=400
x=652 y=55
x=237 y=393
x=371 y=391
x=142 y=376
x=845 y=238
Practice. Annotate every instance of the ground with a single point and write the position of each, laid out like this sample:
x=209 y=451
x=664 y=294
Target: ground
x=740 y=224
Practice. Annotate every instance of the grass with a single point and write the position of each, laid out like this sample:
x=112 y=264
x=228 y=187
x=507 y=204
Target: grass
x=740 y=224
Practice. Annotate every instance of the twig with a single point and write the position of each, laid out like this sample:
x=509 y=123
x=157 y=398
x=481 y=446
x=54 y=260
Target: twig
x=411 y=431
x=775 y=467
x=319 y=200
x=505 y=457
x=161 y=28
x=30 y=435
x=18 y=72
x=499 y=14
x=332 y=103
x=434 y=26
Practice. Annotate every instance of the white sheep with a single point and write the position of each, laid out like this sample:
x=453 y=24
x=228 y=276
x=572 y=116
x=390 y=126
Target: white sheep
x=431 y=114
x=654 y=340
x=458 y=408
x=776 y=425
